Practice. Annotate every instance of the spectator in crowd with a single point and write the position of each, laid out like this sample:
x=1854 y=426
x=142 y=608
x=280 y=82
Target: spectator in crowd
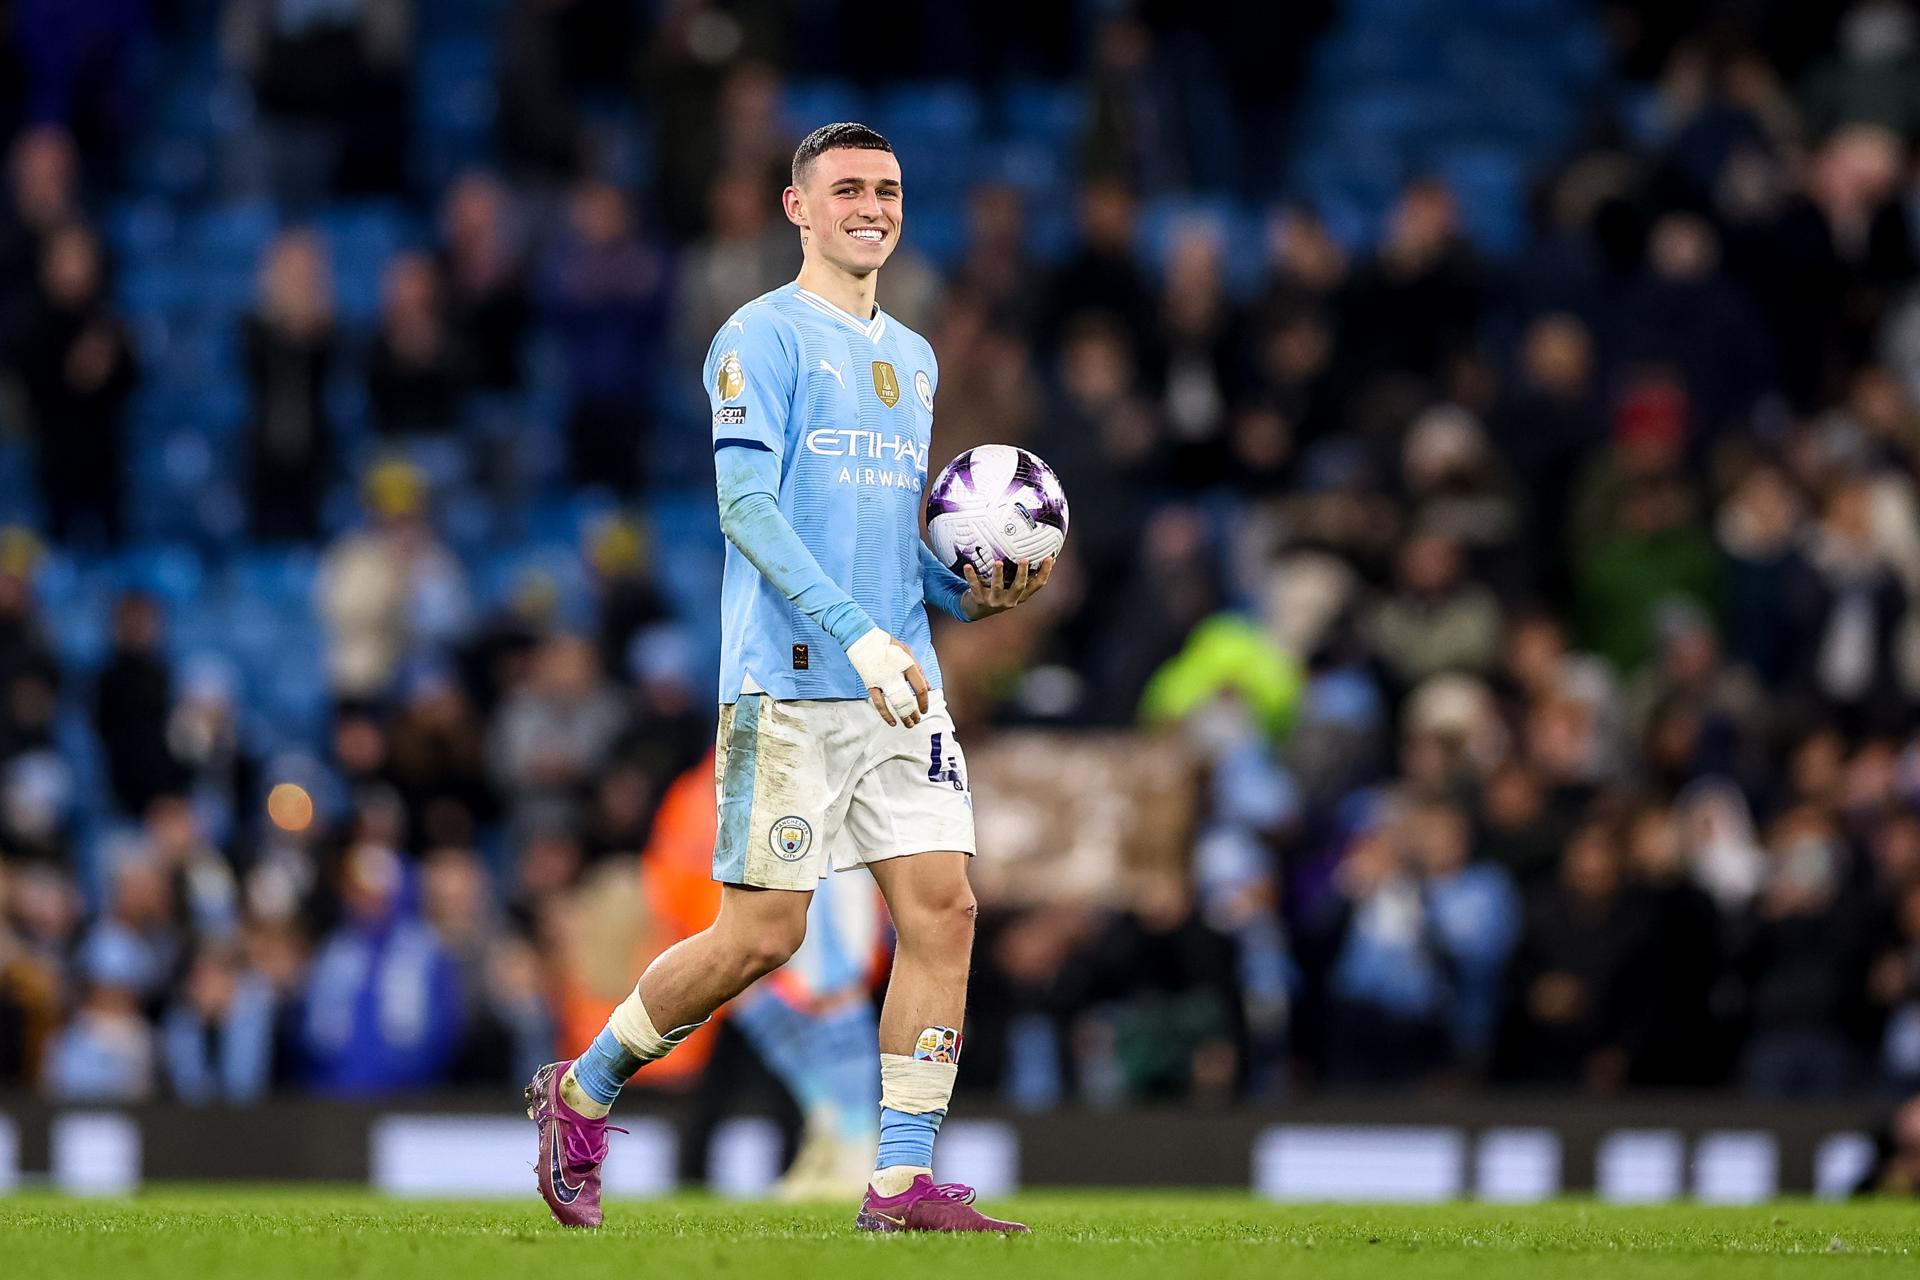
x=1475 y=920
x=507 y=1024
x=391 y=591
x=219 y=768
x=1456 y=487
x=1676 y=1011
x=485 y=276
x=217 y=1039
x=1843 y=601
x=997 y=268
x=331 y=80
x=107 y=1052
x=132 y=701
x=290 y=342
x=1869 y=78
x=1895 y=1169
x=1165 y=1015
x=29 y=671
x=1422 y=938
x=417 y=377
x=139 y=930
x=1196 y=357
x=43 y=196
x=1693 y=712
x=36 y=910
x=1651 y=552
x=745 y=252
x=604 y=291
x=1756 y=529
x=85 y=65
x=383 y=1002
x=1101 y=276
x=1805 y=964
x=1413 y=307
x=79 y=370
x=553 y=735
x=1437 y=620
x=437 y=759
x=538 y=125
x=1569 y=979
x=1549 y=419
x=630 y=601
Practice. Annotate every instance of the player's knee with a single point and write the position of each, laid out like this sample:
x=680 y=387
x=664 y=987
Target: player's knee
x=771 y=947
x=941 y=919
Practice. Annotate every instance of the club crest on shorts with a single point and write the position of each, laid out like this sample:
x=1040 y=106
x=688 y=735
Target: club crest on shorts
x=923 y=387
x=790 y=839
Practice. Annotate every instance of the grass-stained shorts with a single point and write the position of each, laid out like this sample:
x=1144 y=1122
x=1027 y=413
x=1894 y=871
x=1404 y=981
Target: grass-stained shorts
x=811 y=787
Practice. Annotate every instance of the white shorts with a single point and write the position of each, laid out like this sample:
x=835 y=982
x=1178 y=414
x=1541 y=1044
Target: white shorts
x=811 y=787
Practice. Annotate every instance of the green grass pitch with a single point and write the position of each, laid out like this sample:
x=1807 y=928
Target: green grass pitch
x=260 y=1234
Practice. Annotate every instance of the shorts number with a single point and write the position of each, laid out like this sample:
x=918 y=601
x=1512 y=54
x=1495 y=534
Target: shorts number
x=944 y=768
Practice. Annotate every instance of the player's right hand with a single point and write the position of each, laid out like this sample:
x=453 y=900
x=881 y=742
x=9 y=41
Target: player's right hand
x=896 y=685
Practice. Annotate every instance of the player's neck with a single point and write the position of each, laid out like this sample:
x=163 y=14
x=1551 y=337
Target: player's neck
x=852 y=294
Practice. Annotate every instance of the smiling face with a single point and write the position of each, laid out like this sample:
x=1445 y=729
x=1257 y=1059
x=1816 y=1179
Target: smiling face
x=847 y=205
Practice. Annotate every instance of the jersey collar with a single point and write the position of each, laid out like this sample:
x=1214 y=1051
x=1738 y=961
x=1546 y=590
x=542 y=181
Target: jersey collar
x=872 y=328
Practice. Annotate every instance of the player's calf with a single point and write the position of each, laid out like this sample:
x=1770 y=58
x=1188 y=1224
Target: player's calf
x=570 y=1101
x=915 y=1090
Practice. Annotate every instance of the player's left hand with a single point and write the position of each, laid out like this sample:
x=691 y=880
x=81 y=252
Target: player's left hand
x=983 y=600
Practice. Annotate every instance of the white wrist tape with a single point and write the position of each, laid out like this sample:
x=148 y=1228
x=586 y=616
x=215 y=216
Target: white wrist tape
x=883 y=665
x=914 y=1086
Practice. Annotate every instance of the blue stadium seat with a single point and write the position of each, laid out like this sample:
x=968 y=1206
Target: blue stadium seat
x=935 y=109
x=1044 y=111
x=236 y=232
x=1490 y=186
x=141 y=230
x=284 y=579
x=170 y=571
x=807 y=104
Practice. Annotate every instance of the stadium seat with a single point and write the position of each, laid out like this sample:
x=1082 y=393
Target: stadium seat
x=805 y=103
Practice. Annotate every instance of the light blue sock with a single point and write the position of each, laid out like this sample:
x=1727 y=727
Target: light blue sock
x=605 y=1067
x=785 y=1039
x=844 y=1041
x=907 y=1139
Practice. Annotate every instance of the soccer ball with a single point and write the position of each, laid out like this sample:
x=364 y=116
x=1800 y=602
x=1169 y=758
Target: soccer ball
x=996 y=502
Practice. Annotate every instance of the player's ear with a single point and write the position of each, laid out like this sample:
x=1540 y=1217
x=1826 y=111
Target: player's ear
x=790 y=203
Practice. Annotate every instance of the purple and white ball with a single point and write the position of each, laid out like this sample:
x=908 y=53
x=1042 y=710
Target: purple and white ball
x=996 y=502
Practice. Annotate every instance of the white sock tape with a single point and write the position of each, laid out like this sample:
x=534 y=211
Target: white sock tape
x=633 y=1028
x=914 y=1086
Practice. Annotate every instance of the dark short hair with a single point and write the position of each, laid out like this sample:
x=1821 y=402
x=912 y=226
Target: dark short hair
x=832 y=137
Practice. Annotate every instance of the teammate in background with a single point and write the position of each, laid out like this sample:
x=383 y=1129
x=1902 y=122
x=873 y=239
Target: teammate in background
x=835 y=749
x=812 y=1023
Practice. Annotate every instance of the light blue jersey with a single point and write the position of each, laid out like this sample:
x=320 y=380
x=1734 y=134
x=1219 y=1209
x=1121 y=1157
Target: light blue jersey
x=820 y=428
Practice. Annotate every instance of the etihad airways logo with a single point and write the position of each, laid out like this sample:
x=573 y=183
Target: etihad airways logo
x=831 y=442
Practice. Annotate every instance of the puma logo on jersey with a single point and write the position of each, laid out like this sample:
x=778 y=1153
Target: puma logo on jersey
x=837 y=373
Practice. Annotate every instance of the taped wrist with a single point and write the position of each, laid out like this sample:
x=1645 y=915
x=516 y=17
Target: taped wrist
x=914 y=1086
x=883 y=665
x=633 y=1028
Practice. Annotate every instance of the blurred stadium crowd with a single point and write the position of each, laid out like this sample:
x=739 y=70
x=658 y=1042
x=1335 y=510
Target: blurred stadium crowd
x=1491 y=428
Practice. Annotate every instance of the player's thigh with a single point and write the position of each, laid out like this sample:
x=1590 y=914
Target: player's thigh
x=926 y=891
x=910 y=819
x=911 y=795
x=771 y=773
x=771 y=921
